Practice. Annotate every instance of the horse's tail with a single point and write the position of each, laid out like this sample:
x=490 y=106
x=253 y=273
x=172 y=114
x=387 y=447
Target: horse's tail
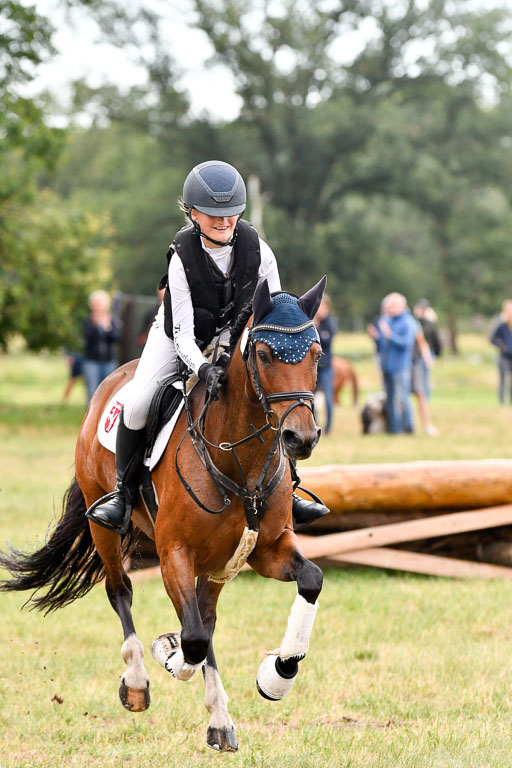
x=67 y=566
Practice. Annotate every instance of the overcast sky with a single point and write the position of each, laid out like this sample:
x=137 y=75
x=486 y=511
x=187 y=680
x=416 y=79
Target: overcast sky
x=82 y=55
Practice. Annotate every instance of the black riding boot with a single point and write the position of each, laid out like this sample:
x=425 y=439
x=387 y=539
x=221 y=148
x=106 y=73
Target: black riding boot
x=114 y=510
x=305 y=512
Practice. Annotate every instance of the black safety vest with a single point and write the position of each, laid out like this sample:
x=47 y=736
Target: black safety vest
x=216 y=297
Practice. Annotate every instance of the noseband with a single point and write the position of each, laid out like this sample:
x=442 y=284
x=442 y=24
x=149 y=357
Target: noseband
x=255 y=502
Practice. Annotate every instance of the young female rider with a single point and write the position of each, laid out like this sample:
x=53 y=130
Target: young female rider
x=215 y=264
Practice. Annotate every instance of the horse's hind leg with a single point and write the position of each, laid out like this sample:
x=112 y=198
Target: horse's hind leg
x=134 y=687
x=283 y=561
x=221 y=731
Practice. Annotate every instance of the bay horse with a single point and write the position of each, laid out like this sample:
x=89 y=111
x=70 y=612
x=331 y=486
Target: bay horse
x=343 y=373
x=265 y=411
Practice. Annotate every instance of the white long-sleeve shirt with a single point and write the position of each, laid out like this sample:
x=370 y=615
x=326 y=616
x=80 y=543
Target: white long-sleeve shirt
x=182 y=307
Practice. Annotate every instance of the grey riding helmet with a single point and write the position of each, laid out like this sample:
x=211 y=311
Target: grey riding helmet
x=215 y=188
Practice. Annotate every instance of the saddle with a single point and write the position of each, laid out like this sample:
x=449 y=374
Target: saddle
x=163 y=406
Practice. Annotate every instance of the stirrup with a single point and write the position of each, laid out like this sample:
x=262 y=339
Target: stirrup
x=113 y=511
x=305 y=512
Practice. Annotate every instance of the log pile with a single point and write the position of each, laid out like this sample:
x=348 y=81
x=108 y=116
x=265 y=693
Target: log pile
x=442 y=517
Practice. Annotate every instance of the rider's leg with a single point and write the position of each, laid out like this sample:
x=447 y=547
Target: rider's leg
x=157 y=362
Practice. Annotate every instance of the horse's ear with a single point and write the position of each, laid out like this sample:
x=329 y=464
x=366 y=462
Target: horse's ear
x=310 y=302
x=262 y=304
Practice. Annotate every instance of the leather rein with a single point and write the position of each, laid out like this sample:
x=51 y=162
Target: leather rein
x=255 y=501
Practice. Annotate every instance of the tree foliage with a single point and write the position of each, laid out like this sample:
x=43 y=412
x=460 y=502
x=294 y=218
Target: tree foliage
x=379 y=131
x=49 y=254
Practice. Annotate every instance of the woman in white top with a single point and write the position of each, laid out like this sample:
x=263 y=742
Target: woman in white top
x=214 y=266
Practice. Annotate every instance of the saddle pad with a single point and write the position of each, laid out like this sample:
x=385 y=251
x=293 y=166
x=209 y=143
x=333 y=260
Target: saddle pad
x=107 y=427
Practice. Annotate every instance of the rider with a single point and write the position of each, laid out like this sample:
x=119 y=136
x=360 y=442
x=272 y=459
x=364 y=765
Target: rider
x=214 y=265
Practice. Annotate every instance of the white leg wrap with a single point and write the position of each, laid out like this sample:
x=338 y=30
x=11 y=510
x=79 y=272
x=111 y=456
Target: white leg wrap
x=166 y=649
x=300 y=624
x=269 y=681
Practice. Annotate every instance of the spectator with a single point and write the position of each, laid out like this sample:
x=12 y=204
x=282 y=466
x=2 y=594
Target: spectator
x=75 y=362
x=426 y=349
x=101 y=330
x=395 y=334
x=427 y=318
x=501 y=337
x=326 y=326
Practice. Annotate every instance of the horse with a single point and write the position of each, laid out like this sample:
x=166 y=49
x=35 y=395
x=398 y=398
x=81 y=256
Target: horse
x=343 y=373
x=250 y=476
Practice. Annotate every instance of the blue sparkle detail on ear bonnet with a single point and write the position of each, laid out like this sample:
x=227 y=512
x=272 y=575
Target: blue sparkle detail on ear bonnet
x=286 y=313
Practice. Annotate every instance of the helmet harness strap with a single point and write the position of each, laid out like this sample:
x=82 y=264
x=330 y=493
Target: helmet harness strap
x=198 y=230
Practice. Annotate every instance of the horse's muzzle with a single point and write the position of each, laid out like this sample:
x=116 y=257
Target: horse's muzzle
x=299 y=444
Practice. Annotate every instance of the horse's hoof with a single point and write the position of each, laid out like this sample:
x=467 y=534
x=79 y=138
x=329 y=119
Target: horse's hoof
x=271 y=684
x=222 y=739
x=134 y=699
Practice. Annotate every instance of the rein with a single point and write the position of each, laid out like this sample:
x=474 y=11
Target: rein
x=256 y=501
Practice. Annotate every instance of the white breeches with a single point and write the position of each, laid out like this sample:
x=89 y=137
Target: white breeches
x=157 y=362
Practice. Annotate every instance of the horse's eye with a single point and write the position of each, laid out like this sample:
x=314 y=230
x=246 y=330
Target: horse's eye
x=263 y=356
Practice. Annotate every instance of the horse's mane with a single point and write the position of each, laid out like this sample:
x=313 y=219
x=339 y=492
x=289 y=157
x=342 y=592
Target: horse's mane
x=238 y=326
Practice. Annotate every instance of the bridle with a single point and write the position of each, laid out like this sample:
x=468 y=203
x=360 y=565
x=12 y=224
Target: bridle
x=255 y=501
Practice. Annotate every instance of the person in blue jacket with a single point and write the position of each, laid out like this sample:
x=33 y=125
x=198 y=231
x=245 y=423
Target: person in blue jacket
x=395 y=334
x=501 y=337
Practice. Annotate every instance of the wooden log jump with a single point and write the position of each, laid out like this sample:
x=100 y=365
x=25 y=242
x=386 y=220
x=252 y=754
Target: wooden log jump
x=390 y=504
x=409 y=486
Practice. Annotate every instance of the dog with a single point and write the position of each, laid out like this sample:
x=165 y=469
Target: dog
x=374 y=414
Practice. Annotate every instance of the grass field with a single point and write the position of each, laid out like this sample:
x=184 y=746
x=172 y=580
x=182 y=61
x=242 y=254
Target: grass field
x=402 y=671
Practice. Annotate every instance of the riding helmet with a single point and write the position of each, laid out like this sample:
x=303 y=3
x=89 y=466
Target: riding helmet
x=215 y=188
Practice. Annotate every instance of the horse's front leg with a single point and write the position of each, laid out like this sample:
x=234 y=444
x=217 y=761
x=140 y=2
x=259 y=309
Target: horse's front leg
x=182 y=654
x=221 y=731
x=134 y=687
x=283 y=561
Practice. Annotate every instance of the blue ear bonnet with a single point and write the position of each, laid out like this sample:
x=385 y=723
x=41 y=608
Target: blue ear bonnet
x=289 y=346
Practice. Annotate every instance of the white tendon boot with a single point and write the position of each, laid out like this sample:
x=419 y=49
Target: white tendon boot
x=275 y=678
x=166 y=649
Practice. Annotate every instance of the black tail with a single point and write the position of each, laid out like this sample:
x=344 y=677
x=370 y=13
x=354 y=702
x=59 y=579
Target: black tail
x=68 y=565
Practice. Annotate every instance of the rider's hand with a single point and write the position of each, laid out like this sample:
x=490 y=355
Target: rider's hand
x=213 y=376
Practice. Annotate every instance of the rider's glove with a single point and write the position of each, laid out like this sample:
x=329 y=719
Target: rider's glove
x=213 y=376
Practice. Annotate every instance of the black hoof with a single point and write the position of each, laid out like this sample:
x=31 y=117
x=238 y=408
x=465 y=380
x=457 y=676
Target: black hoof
x=133 y=699
x=222 y=739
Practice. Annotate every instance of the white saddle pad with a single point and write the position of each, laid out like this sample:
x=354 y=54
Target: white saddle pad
x=107 y=427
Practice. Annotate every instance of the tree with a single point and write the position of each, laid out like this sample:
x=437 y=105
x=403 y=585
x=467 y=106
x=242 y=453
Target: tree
x=48 y=256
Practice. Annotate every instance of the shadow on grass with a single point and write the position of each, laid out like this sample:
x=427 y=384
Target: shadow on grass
x=62 y=415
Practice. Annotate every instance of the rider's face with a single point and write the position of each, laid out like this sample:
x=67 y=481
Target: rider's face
x=218 y=227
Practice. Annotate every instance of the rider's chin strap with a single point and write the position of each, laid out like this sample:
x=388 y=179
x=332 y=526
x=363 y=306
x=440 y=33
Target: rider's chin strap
x=199 y=231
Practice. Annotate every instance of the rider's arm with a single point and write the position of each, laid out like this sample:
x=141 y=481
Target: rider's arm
x=183 y=316
x=268 y=268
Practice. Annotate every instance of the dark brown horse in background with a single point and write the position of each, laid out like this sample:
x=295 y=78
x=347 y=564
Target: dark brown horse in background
x=191 y=543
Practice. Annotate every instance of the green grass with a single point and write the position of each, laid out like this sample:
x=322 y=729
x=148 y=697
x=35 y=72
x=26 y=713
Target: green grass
x=403 y=670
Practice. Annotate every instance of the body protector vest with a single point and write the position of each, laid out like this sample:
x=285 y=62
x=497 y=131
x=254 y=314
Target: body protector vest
x=216 y=297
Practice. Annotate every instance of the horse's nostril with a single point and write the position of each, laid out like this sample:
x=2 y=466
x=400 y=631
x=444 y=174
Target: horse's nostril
x=292 y=439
